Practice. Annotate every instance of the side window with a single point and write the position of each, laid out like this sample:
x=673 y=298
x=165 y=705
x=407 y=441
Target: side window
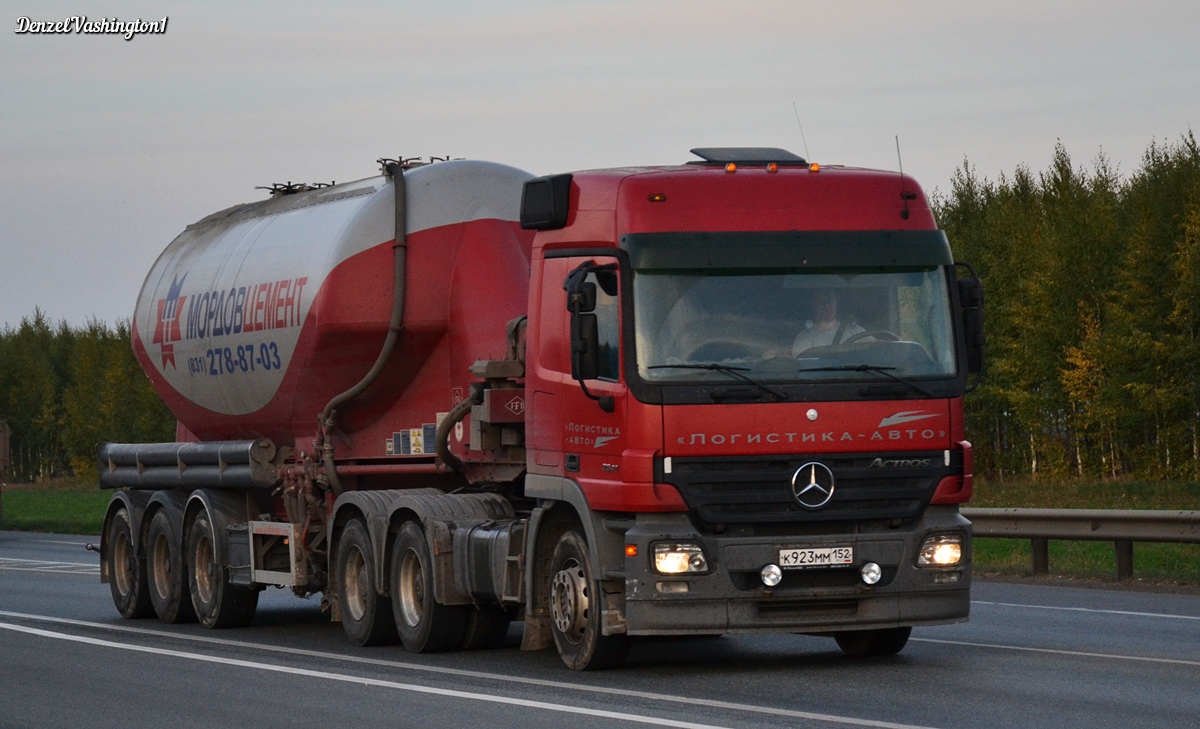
x=608 y=320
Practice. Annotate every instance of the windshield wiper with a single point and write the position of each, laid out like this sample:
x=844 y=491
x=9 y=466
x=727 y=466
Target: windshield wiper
x=727 y=369
x=886 y=371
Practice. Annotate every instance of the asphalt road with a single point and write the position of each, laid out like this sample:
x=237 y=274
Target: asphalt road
x=1031 y=656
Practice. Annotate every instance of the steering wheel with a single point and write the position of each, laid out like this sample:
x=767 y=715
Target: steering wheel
x=881 y=334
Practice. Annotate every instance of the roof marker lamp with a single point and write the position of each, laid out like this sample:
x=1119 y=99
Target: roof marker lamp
x=940 y=550
x=772 y=168
x=678 y=559
x=731 y=167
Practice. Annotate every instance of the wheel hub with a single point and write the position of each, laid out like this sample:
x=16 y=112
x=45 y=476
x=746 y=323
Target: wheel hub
x=412 y=589
x=569 y=601
x=357 y=579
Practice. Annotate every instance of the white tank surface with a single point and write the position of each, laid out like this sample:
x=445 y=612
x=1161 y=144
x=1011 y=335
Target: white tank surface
x=237 y=306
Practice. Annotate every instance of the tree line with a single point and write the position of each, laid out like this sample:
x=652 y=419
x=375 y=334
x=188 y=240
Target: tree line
x=64 y=389
x=1092 y=315
x=1092 y=319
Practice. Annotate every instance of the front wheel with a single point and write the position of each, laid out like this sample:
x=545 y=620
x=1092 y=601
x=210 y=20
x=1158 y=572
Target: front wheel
x=126 y=573
x=575 y=606
x=865 y=643
x=218 y=604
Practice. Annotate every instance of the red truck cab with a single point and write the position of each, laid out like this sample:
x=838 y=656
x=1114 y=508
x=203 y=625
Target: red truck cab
x=748 y=465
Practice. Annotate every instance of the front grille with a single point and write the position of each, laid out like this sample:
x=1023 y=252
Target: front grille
x=748 y=490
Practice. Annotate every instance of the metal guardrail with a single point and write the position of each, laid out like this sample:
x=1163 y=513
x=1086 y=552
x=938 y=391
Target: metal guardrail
x=1121 y=527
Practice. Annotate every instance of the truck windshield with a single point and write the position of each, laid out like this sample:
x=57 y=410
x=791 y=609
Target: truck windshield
x=794 y=325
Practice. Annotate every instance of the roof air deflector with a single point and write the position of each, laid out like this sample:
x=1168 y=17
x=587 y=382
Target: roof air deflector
x=746 y=156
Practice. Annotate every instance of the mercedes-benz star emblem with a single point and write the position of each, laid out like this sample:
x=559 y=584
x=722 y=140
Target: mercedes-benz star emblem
x=812 y=485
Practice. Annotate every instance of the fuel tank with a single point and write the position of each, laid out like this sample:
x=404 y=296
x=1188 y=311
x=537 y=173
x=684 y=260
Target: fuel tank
x=253 y=318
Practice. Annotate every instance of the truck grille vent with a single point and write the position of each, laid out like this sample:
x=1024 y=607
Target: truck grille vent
x=747 y=490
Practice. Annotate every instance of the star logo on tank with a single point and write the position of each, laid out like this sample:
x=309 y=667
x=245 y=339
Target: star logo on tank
x=906 y=416
x=812 y=485
x=167 y=329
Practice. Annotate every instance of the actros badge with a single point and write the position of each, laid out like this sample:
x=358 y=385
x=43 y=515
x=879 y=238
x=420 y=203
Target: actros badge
x=812 y=485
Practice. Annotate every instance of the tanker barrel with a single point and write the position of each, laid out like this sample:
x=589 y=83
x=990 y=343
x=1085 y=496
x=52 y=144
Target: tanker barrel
x=222 y=464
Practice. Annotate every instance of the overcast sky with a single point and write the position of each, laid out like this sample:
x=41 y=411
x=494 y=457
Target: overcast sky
x=109 y=148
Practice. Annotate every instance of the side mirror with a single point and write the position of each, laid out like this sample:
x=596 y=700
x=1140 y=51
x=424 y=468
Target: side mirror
x=585 y=346
x=970 y=297
x=585 y=325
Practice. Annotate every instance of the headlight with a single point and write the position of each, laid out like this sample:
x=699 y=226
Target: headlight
x=675 y=559
x=940 y=550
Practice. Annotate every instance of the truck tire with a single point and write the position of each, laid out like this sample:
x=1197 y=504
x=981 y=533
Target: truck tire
x=165 y=572
x=126 y=573
x=866 y=643
x=575 y=610
x=486 y=627
x=424 y=624
x=217 y=603
x=366 y=616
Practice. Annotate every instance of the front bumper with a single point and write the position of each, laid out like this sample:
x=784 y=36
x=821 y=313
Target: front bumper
x=731 y=597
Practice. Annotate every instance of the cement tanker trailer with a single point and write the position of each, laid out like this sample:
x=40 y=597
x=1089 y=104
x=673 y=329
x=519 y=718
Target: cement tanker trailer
x=718 y=397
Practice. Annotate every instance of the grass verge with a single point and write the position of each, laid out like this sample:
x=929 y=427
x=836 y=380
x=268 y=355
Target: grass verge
x=68 y=506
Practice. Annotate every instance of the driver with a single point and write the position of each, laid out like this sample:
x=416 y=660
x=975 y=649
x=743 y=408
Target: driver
x=825 y=328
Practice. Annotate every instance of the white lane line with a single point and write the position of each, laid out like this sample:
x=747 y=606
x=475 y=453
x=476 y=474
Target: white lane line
x=1060 y=652
x=545 y=683
x=39 y=565
x=51 y=571
x=1088 y=610
x=345 y=678
x=58 y=541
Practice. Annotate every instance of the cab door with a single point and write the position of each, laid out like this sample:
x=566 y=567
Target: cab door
x=579 y=427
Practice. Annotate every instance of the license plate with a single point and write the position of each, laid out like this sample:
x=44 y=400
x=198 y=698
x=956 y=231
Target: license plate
x=790 y=559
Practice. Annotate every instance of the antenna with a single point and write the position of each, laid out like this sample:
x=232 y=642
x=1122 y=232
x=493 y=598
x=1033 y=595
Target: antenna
x=802 y=139
x=905 y=196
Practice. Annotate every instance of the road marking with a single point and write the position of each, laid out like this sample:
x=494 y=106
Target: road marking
x=545 y=683
x=41 y=565
x=1060 y=652
x=1089 y=610
x=58 y=541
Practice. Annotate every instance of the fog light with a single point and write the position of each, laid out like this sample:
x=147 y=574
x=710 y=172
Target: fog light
x=871 y=573
x=772 y=575
x=674 y=559
x=940 y=550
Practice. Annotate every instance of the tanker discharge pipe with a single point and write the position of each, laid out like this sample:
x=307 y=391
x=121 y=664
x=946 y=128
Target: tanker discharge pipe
x=400 y=249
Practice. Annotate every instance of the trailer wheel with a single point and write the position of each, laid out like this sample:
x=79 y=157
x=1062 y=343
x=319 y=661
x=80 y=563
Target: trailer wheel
x=126 y=573
x=365 y=614
x=575 y=610
x=424 y=624
x=865 y=643
x=165 y=572
x=218 y=604
x=487 y=627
